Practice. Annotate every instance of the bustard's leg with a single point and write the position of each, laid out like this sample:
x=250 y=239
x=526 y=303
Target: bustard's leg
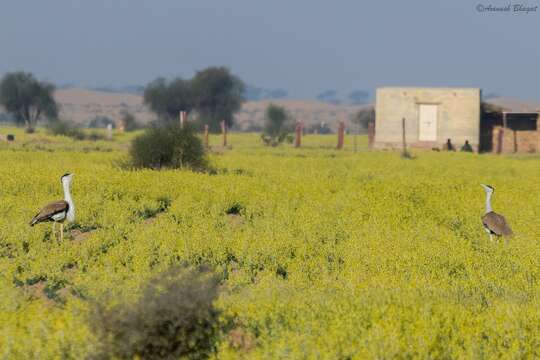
x=54 y=229
x=490 y=237
x=61 y=232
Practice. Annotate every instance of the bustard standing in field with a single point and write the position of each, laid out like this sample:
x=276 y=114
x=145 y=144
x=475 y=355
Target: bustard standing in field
x=58 y=211
x=494 y=223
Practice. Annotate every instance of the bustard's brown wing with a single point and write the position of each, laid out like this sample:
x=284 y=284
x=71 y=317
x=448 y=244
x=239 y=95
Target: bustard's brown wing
x=49 y=211
x=496 y=224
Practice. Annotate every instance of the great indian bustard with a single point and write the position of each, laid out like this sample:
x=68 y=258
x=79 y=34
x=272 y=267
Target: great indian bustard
x=494 y=224
x=58 y=211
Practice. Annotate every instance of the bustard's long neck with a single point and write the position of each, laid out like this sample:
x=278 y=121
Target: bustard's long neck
x=488 y=201
x=69 y=200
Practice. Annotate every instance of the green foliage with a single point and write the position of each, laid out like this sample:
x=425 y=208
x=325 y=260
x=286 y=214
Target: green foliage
x=27 y=99
x=174 y=318
x=69 y=129
x=60 y=127
x=214 y=94
x=129 y=121
x=95 y=136
x=168 y=98
x=363 y=117
x=218 y=95
x=277 y=125
x=170 y=146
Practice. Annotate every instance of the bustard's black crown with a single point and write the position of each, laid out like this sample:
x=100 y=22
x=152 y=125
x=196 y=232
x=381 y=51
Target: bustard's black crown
x=63 y=176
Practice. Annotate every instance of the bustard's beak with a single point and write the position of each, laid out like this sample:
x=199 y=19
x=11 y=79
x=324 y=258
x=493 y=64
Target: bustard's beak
x=486 y=187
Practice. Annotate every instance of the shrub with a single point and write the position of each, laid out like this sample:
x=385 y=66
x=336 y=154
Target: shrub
x=129 y=121
x=59 y=127
x=363 y=117
x=174 y=318
x=168 y=145
x=95 y=136
x=277 y=125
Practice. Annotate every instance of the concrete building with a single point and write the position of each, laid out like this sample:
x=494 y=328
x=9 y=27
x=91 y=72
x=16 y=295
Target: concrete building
x=432 y=116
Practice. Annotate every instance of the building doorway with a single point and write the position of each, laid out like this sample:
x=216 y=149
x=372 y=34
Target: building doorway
x=427 y=122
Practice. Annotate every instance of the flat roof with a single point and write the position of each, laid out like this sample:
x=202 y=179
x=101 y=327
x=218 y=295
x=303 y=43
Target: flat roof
x=427 y=88
x=510 y=105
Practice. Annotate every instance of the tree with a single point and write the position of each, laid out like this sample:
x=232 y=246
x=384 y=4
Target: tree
x=364 y=116
x=359 y=96
x=27 y=99
x=254 y=93
x=168 y=98
x=277 y=125
x=218 y=95
x=329 y=96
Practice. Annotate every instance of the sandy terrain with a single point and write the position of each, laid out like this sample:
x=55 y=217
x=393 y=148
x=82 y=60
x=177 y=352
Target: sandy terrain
x=81 y=106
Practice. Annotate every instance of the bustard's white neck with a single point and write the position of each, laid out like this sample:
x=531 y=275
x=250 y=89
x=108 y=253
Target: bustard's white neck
x=489 y=191
x=66 y=184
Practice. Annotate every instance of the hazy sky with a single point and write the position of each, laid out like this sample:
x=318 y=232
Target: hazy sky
x=303 y=46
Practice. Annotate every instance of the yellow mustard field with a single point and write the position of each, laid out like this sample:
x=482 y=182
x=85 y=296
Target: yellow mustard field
x=332 y=255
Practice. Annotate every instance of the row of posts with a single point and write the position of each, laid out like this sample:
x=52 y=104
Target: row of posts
x=300 y=127
x=298 y=132
x=341 y=135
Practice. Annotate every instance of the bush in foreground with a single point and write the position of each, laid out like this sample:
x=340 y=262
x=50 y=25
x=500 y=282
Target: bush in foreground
x=168 y=146
x=174 y=318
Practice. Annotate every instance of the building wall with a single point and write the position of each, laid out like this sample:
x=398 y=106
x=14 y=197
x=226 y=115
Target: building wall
x=458 y=116
x=517 y=141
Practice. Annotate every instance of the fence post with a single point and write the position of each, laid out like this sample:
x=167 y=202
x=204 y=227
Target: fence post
x=371 y=134
x=403 y=135
x=206 y=135
x=109 y=131
x=224 y=132
x=341 y=135
x=120 y=125
x=298 y=139
x=183 y=118
x=500 y=140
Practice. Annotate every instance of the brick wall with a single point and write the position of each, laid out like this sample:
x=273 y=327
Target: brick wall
x=526 y=141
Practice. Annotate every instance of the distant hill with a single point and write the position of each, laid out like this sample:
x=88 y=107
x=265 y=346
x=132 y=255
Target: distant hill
x=82 y=105
x=310 y=112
